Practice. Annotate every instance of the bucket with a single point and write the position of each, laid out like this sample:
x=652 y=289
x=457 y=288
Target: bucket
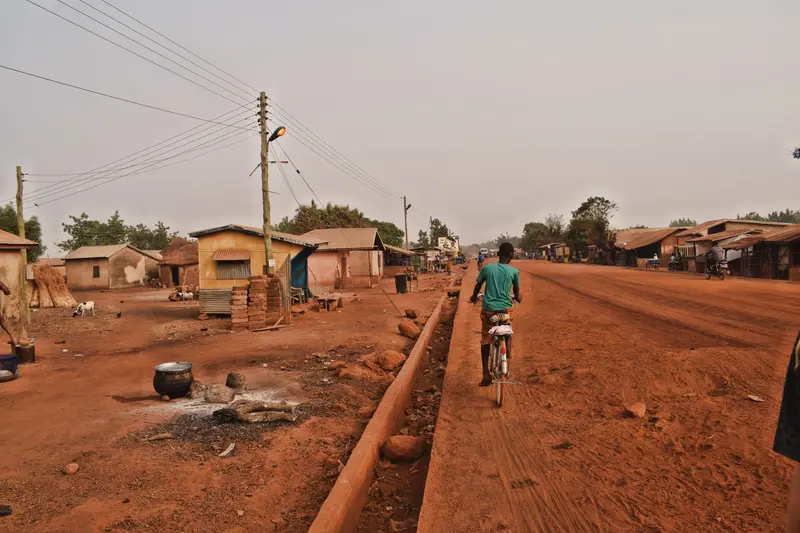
x=9 y=362
x=26 y=354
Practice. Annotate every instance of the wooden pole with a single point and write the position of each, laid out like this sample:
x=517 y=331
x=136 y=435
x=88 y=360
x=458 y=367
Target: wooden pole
x=405 y=216
x=23 y=278
x=262 y=119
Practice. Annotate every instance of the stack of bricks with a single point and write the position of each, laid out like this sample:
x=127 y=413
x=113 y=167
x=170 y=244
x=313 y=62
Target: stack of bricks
x=274 y=303
x=239 y=319
x=257 y=303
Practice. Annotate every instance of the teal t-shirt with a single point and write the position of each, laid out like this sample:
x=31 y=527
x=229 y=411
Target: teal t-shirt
x=499 y=278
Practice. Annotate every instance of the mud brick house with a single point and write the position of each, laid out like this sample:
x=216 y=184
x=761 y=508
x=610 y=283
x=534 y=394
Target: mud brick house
x=634 y=247
x=229 y=256
x=180 y=263
x=10 y=273
x=773 y=254
x=116 y=266
x=346 y=258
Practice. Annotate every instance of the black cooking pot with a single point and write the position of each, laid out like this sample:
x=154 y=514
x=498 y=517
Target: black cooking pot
x=173 y=379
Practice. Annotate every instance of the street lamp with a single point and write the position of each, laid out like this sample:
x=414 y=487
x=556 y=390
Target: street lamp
x=280 y=131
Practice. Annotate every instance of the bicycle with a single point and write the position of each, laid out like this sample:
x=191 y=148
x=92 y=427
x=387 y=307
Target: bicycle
x=501 y=333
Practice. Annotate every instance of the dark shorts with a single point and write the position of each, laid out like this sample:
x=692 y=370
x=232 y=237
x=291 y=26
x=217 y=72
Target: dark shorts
x=486 y=338
x=787 y=437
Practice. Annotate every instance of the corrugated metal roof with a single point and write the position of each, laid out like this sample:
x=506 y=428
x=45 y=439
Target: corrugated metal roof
x=103 y=252
x=705 y=225
x=252 y=230
x=789 y=234
x=156 y=254
x=9 y=240
x=346 y=238
x=632 y=239
x=231 y=254
x=50 y=261
x=722 y=235
x=397 y=250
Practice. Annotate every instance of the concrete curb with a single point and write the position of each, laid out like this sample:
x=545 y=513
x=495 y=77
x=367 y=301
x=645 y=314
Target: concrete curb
x=342 y=508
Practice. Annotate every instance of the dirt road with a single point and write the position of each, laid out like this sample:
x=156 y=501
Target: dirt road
x=562 y=456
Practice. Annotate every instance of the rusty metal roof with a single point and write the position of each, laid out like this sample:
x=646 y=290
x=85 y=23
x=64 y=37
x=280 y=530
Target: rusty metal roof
x=103 y=252
x=630 y=239
x=252 y=230
x=722 y=235
x=9 y=240
x=396 y=250
x=346 y=238
x=231 y=254
x=705 y=225
x=782 y=235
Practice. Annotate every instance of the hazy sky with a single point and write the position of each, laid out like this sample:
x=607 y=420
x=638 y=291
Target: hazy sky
x=486 y=114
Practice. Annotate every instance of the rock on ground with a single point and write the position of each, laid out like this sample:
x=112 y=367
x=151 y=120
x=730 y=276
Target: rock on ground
x=409 y=329
x=413 y=313
x=637 y=409
x=390 y=360
x=236 y=381
x=366 y=412
x=71 y=469
x=404 y=448
x=197 y=390
x=219 y=394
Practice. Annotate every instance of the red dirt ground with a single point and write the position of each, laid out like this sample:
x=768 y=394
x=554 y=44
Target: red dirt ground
x=562 y=456
x=96 y=409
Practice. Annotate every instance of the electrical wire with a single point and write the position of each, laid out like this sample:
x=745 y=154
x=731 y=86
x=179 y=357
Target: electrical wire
x=299 y=124
x=289 y=185
x=178 y=45
x=78 y=184
x=123 y=47
x=145 y=171
x=168 y=49
x=110 y=96
x=149 y=153
x=286 y=154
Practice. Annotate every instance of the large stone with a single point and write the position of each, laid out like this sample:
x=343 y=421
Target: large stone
x=637 y=409
x=409 y=329
x=404 y=448
x=219 y=394
x=197 y=390
x=390 y=360
x=413 y=313
x=71 y=468
x=236 y=381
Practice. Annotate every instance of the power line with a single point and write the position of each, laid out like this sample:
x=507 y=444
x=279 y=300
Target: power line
x=114 y=97
x=123 y=47
x=286 y=154
x=178 y=45
x=285 y=179
x=147 y=153
x=145 y=171
x=150 y=164
x=167 y=48
x=297 y=122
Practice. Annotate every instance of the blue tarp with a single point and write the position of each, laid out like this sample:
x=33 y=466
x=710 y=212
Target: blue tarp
x=300 y=269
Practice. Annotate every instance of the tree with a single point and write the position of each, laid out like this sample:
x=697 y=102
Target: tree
x=638 y=226
x=422 y=239
x=555 y=226
x=796 y=153
x=84 y=231
x=534 y=235
x=310 y=217
x=590 y=224
x=683 y=223
x=789 y=215
x=752 y=215
x=436 y=229
x=33 y=230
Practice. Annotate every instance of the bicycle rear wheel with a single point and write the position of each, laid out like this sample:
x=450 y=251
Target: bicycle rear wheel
x=499 y=376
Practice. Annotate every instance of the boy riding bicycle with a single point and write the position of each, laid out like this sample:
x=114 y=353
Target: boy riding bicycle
x=500 y=279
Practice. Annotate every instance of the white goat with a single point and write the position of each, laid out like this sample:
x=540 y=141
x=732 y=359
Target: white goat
x=186 y=296
x=84 y=308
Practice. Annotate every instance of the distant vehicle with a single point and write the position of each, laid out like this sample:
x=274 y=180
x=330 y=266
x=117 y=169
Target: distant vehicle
x=484 y=252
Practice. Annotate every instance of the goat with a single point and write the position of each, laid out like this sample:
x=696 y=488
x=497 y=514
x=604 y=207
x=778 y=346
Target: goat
x=84 y=308
x=185 y=296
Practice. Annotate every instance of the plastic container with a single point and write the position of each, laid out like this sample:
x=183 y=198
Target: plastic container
x=401 y=284
x=9 y=362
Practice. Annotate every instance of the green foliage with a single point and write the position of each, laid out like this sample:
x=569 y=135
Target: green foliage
x=310 y=217
x=436 y=229
x=33 y=230
x=84 y=231
x=683 y=223
x=536 y=234
x=796 y=153
x=789 y=215
x=638 y=226
x=590 y=224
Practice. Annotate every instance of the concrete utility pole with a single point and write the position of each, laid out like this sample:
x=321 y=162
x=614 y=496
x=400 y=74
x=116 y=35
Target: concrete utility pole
x=262 y=119
x=406 y=207
x=23 y=277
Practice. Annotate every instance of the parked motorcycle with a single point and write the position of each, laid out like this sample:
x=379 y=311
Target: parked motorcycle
x=673 y=265
x=719 y=269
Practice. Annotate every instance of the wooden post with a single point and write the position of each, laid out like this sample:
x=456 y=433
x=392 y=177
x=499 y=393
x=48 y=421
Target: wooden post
x=405 y=216
x=23 y=278
x=262 y=119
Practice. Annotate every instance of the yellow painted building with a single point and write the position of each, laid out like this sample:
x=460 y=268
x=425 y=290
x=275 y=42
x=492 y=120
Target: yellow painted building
x=229 y=255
